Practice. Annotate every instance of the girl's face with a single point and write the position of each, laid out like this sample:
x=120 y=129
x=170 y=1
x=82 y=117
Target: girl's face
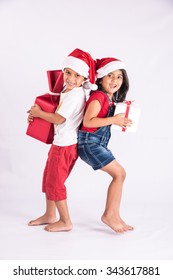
x=112 y=81
x=72 y=79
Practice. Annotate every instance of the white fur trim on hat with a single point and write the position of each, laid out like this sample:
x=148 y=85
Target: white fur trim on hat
x=77 y=65
x=110 y=67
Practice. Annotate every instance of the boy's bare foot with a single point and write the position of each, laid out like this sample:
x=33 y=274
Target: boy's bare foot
x=116 y=224
x=59 y=226
x=43 y=220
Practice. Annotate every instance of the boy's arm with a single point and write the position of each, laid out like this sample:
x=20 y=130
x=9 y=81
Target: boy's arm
x=37 y=112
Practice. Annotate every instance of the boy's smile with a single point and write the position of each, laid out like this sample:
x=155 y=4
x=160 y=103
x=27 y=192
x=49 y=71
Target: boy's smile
x=72 y=79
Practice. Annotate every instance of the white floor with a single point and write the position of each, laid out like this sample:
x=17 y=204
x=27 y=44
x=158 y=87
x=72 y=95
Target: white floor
x=146 y=155
x=146 y=204
x=89 y=239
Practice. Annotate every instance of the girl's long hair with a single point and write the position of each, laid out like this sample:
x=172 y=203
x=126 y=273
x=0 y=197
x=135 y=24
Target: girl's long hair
x=120 y=95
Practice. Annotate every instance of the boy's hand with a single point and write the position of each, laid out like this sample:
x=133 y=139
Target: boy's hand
x=122 y=121
x=34 y=111
x=30 y=117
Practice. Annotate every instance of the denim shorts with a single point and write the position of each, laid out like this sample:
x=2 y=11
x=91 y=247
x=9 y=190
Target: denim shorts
x=94 y=151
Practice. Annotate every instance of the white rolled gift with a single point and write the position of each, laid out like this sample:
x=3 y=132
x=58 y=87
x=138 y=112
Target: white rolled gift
x=132 y=111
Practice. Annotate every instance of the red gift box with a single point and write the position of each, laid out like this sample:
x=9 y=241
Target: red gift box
x=39 y=128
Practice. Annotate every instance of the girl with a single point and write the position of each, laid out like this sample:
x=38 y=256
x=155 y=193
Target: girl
x=78 y=67
x=113 y=84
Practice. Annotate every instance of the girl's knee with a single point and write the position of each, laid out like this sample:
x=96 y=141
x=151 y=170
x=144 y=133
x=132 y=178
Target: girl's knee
x=120 y=174
x=116 y=171
x=123 y=174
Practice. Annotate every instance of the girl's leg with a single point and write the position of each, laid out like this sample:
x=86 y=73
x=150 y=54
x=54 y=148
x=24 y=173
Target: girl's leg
x=111 y=215
x=49 y=215
x=64 y=223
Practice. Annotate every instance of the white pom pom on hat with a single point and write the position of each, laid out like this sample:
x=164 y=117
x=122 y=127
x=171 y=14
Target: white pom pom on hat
x=88 y=85
x=106 y=65
x=82 y=63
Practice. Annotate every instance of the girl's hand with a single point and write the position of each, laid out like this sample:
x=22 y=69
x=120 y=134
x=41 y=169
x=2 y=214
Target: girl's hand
x=121 y=121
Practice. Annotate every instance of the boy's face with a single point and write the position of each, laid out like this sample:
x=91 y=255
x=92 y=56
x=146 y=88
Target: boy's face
x=72 y=79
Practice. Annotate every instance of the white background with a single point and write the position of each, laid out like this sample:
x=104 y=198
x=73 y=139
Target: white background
x=36 y=35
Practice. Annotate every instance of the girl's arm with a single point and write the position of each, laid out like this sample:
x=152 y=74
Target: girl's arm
x=54 y=118
x=91 y=119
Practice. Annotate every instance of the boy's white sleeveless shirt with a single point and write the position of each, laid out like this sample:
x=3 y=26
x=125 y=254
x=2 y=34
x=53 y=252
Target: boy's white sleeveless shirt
x=71 y=107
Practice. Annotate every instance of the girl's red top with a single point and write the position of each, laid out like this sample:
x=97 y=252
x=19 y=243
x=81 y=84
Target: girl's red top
x=104 y=102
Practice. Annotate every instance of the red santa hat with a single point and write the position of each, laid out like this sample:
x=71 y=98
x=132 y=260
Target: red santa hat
x=82 y=63
x=106 y=65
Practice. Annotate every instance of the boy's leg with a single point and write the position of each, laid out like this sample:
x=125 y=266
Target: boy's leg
x=64 y=223
x=111 y=215
x=66 y=158
x=49 y=215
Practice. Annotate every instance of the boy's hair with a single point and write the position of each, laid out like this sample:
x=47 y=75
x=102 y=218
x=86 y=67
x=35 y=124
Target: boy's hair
x=120 y=95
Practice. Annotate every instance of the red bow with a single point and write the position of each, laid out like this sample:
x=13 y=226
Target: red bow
x=127 y=111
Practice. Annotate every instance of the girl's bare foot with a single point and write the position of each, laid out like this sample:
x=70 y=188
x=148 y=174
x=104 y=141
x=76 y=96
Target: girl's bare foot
x=116 y=224
x=59 y=226
x=45 y=219
x=127 y=226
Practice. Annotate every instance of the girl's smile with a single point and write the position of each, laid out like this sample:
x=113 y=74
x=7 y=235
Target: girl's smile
x=112 y=82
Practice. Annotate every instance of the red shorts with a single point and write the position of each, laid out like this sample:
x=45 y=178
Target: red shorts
x=58 y=167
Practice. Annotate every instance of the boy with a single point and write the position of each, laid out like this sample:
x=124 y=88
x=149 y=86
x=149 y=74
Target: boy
x=78 y=67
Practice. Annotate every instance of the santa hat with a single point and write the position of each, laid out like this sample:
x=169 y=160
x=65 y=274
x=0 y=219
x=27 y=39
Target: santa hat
x=82 y=63
x=106 y=65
